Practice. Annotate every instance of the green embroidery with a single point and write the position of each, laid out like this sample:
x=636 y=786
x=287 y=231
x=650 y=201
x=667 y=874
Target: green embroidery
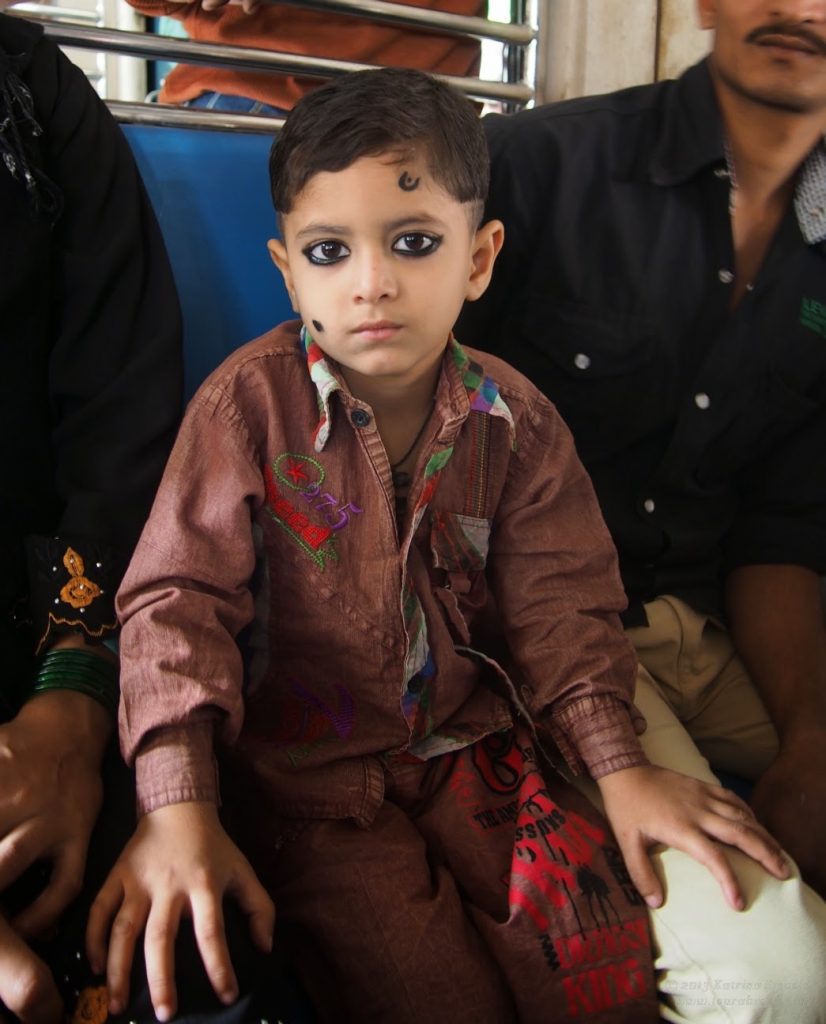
x=813 y=316
x=292 y=470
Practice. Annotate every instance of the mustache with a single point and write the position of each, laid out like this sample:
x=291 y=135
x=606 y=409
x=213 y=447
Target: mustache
x=792 y=30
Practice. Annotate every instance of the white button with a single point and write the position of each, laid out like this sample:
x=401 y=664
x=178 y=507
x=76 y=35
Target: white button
x=581 y=361
x=649 y=505
x=702 y=401
x=725 y=276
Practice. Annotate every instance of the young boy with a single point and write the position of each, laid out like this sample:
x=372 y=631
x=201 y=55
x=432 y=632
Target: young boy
x=361 y=523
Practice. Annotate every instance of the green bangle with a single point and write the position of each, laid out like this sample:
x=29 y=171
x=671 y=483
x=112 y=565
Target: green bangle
x=77 y=670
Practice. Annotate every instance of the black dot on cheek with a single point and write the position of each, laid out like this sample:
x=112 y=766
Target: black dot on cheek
x=318 y=326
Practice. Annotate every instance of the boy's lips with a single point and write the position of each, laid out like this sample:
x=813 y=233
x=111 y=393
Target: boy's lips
x=376 y=329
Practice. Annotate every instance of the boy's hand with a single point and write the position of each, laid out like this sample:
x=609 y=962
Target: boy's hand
x=648 y=805
x=179 y=861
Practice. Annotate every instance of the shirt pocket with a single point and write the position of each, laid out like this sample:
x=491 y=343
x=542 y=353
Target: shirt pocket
x=589 y=361
x=459 y=550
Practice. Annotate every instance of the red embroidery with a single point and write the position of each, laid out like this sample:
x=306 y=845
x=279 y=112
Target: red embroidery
x=309 y=535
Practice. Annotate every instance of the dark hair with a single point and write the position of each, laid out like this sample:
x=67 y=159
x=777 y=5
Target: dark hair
x=369 y=113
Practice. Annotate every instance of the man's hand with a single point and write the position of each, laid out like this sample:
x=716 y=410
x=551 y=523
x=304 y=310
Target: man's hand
x=777 y=622
x=790 y=799
x=179 y=861
x=26 y=985
x=50 y=795
x=649 y=805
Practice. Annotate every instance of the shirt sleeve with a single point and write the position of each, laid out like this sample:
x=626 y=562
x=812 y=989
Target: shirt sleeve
x=782 y=511
x=556 y=580
x=115 y=359
x=183 y=602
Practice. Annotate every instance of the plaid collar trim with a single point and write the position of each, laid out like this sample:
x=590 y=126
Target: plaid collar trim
x=482 y=391
x=810 y=196
x=325 y=382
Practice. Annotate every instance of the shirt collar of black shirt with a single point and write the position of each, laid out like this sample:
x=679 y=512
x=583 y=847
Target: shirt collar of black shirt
x=691 y=138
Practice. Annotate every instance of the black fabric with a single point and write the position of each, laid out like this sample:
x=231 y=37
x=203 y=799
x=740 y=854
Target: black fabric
x=704 y=431
x=89 y=340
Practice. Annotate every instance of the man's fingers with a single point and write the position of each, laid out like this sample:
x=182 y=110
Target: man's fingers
x=159 y=953
x=64 y=885
x=208 y=924
x=18 y=851
x=26 y=984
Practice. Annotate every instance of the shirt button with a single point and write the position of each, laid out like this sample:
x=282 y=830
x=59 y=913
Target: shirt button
x=725 y=276
x=360 y=417
x=581 y=361
x=649 y=505
x=702 y=401
x=415 y=685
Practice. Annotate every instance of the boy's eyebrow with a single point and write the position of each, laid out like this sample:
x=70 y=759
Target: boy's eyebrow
x=339 y=230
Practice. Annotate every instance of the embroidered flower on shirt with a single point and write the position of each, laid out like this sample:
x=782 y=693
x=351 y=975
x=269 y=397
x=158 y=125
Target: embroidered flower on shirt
x=80 y=591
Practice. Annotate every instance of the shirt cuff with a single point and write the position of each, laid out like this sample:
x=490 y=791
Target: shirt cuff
x=177 y=765
x=598 y=736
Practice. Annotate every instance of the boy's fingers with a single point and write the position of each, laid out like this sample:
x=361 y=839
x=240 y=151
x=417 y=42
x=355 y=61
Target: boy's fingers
x=706 y=852
x=752 y=839
x=159 y=953
x=126 y=927
x=642 y=873
x=208 y=923
x=255 y=902
x=101 y=912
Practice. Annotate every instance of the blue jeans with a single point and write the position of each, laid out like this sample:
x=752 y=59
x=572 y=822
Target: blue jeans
x=234 y=104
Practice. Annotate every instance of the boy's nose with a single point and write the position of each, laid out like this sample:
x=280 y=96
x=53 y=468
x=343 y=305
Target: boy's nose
x=375 y=280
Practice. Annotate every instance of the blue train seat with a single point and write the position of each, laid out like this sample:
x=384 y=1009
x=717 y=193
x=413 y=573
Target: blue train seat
x=210 y=191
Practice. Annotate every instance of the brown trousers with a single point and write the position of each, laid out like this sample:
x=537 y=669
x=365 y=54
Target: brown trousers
x=483 y=892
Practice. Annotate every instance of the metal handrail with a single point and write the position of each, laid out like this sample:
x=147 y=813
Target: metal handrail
x=422 y=17
x=167 y=116
x=139 y=44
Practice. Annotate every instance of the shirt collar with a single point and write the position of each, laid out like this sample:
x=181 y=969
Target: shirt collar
x=691 y=138
x=481 y=390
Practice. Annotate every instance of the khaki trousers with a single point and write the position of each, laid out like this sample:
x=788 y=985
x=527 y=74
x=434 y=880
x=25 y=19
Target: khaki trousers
x=766 y=964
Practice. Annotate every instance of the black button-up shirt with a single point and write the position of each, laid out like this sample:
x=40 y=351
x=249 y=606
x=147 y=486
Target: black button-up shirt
x=704 y=430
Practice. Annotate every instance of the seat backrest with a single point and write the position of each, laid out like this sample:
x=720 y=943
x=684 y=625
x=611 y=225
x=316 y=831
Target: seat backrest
x=210 y=191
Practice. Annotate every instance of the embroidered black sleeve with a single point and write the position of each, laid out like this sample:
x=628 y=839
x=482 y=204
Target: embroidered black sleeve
x=72 y=585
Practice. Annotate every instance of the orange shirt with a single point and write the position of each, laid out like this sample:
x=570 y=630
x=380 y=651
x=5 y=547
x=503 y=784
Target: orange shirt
x=314 y=33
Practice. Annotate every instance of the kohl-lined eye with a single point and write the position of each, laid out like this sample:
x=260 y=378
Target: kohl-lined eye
x=417 y=243
x=328 y=251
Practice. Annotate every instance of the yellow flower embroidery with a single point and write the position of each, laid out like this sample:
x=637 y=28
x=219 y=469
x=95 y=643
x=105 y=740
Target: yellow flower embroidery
x=79 y=591
x=91 y=1006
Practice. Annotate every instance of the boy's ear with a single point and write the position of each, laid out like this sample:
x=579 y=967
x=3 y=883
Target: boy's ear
x=278 y=252
x=706 y=13
x=486 y=245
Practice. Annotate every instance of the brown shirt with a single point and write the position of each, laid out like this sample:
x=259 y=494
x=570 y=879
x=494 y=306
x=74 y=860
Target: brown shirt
x=274 y=605
x=311 y=33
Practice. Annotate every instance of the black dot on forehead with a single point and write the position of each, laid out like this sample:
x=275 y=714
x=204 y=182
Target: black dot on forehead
x=318 y=326
x=408 y=184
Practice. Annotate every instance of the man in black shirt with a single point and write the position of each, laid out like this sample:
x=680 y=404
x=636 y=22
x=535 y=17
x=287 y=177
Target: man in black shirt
x=663 y=280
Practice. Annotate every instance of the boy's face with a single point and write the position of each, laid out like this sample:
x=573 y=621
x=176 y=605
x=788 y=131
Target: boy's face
x=378 y=260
